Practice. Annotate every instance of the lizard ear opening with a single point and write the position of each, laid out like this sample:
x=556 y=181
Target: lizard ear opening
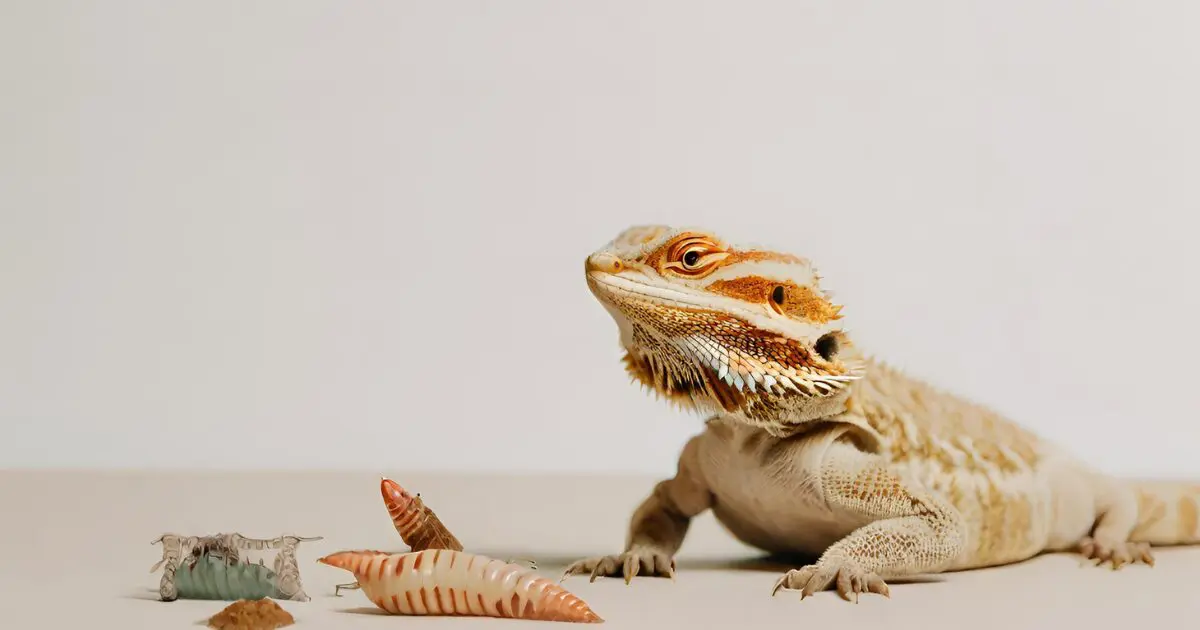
x=827 y=346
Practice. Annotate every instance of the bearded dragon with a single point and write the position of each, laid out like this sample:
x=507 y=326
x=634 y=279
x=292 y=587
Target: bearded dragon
x=812 y=447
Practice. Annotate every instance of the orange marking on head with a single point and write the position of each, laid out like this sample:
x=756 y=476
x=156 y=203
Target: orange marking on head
x=748 y=288
x=787 y=298
x=758 y=256
x=804 y=303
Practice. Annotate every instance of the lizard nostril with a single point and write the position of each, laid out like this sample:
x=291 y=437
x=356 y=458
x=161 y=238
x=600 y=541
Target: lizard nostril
x=827 y=346
x=605 y=263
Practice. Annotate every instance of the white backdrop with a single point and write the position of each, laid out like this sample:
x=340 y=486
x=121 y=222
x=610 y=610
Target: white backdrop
x=299 y=234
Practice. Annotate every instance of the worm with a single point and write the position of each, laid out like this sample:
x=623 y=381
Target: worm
x=214 y=567
x=214 y=578
x=417 y=525
x=449 y=582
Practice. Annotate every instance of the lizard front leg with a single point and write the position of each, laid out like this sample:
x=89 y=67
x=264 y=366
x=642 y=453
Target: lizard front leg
x=658 y=526
x=910 y=530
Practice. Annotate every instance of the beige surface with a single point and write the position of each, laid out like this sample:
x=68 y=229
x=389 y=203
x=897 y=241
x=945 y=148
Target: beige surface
x=76 y=548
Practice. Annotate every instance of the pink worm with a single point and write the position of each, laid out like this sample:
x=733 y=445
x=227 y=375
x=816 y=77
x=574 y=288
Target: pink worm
x=448 y=582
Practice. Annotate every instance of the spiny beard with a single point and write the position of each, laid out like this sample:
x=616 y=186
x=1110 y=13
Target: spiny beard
x=672 y=376
x=689 y=386
x=675 y=380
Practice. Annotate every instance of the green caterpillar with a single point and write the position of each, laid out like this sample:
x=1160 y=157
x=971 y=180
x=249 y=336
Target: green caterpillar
x=215 y=567
x=214 y=578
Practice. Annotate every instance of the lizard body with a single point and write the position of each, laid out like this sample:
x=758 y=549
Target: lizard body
x=812 y=447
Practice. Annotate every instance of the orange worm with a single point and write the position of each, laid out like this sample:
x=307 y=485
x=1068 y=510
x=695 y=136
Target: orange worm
x=417 y=525
x=447 y=582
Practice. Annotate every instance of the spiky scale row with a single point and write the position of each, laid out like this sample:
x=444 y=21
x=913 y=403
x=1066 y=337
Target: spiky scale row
x=417 y=525
x=749 y=373
x=446 y=582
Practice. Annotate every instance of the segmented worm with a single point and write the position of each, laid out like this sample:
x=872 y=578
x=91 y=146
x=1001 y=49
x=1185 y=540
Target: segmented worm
x=206 y=567
x=417 y=525
x=448 y=582
x=211 y=577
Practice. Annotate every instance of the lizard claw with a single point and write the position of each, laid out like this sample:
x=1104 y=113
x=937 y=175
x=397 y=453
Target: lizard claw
x=849 y=578
x=628 y=565
x=1117 y=554
x=631 y=567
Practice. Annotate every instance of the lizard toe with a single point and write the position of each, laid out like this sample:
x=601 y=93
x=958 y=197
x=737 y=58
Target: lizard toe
x=807 y=580
x=848 y=579
x=1116 y=554
x=627 y=565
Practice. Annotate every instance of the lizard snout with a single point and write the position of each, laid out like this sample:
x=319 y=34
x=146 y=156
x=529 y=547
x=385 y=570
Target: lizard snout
x=604 y=263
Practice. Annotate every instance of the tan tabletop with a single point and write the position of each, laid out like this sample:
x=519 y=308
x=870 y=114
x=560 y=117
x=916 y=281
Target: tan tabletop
x=77 y=553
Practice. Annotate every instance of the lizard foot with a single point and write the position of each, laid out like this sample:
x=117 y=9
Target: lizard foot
x=849 y=577
x=1118 y=554
x=629 y=564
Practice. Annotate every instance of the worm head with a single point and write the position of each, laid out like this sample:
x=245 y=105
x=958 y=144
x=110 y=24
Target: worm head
x=395 y=497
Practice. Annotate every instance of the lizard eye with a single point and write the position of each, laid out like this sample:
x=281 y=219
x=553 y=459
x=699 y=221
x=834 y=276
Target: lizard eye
x=693 y=256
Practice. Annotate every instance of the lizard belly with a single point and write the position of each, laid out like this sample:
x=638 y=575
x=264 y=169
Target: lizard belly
x=766 y=496
x=781 y=529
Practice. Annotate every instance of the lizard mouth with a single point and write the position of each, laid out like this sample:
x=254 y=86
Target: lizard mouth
x=615 y=287
x=634 y=296
x=683 y=343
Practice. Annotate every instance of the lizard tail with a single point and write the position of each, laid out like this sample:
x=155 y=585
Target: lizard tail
x=1168 y=512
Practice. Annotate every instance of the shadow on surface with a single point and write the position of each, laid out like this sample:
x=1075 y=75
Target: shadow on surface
x=553 y=565
x=147 y=594
x=363 y=610
x=775 y=564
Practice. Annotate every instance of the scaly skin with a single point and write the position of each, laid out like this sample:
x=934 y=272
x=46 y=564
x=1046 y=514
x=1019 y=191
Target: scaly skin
x=814 y=448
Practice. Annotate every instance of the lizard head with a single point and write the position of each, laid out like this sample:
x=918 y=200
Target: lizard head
x=744 y=332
